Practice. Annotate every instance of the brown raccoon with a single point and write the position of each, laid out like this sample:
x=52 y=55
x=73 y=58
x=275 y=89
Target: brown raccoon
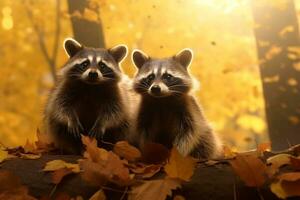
x=168 y=113
x=88 y=98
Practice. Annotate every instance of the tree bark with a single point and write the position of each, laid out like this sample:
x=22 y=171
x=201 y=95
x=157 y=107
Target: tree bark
x=277 y=39
x=215 y=182
x=88 y=33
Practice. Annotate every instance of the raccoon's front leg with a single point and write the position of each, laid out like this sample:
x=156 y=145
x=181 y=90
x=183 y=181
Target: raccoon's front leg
x=97 y=131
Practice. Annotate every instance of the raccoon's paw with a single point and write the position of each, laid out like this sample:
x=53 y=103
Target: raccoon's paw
x=75 y=128
x=96 y=132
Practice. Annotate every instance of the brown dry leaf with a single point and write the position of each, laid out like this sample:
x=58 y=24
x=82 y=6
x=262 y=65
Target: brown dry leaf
x=127 y=151
x=287 y=186
x=101 y=165
x=11 y=187
x=277 y=161
x=43 y=143
x=261 y=148
x=99 y=195
x=59 y=174
x=60 y=164
x=154 y=153
x=154 y=189
x=30 y=156
x=146 y=171
x=3 y=155
x=295 y=162
x=29 y=147
x=250 y=169
x=179 y=166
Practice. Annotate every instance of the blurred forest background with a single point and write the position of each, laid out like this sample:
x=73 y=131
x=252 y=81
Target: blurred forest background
x=224 y=34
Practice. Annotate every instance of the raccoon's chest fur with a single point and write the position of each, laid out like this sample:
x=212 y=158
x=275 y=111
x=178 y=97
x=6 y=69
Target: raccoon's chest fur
x=162 y=120
x=92 y=101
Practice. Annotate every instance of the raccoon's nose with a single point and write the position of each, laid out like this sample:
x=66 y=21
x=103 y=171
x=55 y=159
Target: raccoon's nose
x=155 y=89
x=93 y=74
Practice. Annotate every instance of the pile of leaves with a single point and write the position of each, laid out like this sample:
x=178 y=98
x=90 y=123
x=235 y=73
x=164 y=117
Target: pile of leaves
x=153 y=173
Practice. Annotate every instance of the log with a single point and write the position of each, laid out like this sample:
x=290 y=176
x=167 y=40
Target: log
x=214 y=182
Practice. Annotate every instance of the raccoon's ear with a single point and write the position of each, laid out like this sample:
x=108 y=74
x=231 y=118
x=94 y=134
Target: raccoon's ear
x=119 y=52
x=139 y=58
x=184 y=57
x=71 y=47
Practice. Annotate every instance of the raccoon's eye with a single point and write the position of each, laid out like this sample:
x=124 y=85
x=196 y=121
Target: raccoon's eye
x=85 y=64
x=102 y=65
x=168 y=77
x=151 y=77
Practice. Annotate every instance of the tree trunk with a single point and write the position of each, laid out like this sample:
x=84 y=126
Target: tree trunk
x=217 y=182
x=88 y=33
x=277 y=39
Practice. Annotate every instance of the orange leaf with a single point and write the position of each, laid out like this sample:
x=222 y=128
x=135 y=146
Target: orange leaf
x=154 y=189
x=146 y=171
x=179 y=166
x=125 y=150
x=250 y=169
x=58 y=175
x=154 y=153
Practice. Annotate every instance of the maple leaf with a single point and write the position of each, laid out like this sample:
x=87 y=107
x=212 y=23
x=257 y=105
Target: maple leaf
x=127 y=151
x=145 y=171
x=12 y=188
x=3 y=155
x=154 y=189
x=101 y=166
x=154 y=153
x=99 y=195
x=287 y=186
x=59 y=174
x=277 y=161
x=60 y=164
x=250 y=169
x=179 y=166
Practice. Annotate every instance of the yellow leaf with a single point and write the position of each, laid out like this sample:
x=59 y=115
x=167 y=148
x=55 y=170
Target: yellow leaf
x=276 y=162
x=179 y=166
x=278 y=190
x=59 y=164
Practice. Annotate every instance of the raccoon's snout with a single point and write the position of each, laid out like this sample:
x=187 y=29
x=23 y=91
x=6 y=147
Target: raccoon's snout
x=93 y=75
x=155 y=89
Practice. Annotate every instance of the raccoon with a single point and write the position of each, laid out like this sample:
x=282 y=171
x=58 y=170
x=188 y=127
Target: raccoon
x=168 y=113
x=89 y=98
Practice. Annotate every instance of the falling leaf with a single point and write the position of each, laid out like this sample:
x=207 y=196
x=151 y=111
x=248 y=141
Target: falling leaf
x=3 y=155
x=154 y=153
x=125 y=150
x=250 y=169
x=271 y=79
x=292 y=82
x=99 y=195
x=90 y=15
x=273 y=51
x=60 y=164
x=59 y=174
x=179 y=166
x=285 y=30
x=154 y=189
x=277 y=161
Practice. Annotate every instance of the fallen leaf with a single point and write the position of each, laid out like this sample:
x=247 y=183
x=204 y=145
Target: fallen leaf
x=60 y=164
x=43 y=143
x=12 y=188
x=59 y=174
x=277 y=161
x=154 y=153
x=261 y=148
x=228 y=153
x=99 y=195
x=179 y=166
x=295 y=162
x=30 y=156
x=154 y=189
x=250 y=169
x=146 y=171
x=288 y=185
x=3 y=155
x=125 y=150
x=29 y=147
